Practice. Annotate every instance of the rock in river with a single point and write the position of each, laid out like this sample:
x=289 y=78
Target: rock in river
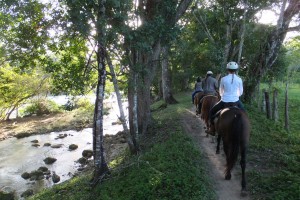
x=49 y=160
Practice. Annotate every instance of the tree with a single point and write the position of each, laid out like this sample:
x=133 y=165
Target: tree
x=268 y=53
x=166 y=78
x=23 y=39
x=143 y=46
x=17 y=89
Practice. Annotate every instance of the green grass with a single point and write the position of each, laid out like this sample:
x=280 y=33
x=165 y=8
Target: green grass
x=274 y=153
x=169 y=167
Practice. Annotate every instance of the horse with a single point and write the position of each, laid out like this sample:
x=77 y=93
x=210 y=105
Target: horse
x=197 y=99
x=233 y=127
x=207 y=103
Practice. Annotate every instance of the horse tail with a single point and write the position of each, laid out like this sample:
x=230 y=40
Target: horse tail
x=237 y=128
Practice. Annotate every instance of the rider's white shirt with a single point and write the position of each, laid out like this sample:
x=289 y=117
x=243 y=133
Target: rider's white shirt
x=231 y=88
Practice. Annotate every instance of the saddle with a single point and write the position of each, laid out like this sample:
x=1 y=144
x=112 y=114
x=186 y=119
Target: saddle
x=206 y=95
x=226 y=105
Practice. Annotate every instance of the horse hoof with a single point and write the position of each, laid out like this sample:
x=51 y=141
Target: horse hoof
x=244 y=193
x=228 y=177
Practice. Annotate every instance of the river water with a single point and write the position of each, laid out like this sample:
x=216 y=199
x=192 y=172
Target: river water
x=18 y=155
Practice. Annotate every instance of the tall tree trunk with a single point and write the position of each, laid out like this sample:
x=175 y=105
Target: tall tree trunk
x=227 y=37
x=119 y=99
x=133 y=111
x=166 y=78
x=101 y=167
x=242 y=32
x=269 y=51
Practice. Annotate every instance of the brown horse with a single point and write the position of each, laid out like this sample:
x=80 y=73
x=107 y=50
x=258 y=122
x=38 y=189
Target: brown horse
x=197 y=99
x=207 y=103
x=233 y=126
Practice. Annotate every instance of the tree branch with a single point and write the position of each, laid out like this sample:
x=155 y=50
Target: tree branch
x=182 y=7
x=295 y=28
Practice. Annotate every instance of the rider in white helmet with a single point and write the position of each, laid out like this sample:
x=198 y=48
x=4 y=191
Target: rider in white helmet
x=231 y=88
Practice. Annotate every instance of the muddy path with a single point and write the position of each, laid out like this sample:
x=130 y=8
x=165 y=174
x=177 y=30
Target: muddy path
x=225 y=190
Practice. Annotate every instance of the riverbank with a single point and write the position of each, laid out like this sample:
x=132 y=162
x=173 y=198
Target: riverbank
x=34 y=125
x=24 y=155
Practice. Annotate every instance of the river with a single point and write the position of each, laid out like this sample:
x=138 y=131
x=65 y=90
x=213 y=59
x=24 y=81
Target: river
x=18 y=155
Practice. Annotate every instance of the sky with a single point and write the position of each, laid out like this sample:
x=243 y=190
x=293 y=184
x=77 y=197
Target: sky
x=269 y=17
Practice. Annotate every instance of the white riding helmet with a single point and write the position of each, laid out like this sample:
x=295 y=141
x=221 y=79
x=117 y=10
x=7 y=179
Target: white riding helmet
x=209 y=72
x=232 y=65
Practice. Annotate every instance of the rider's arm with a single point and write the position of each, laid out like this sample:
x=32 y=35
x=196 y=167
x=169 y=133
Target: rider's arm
x=221 y=88
x=241 y=89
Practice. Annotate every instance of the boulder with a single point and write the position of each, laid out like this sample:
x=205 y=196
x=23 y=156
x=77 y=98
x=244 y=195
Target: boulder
x=56 y=146
x=36 y=175
x=55 y=178
x=7 y=193
x=34 y=141
x=73 y=146
x=26 y=175
x=49 y=160
x=82 y=160
x=27 y=193
x=47 y=144
x=87 y=153
x=43 y=169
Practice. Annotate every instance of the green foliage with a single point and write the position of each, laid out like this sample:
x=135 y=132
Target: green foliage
x=274 y=156
x=70 y=72
x=17 y=88
x=24 y=32
x=40 y=107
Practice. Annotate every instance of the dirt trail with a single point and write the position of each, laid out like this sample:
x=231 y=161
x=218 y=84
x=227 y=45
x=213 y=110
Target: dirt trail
x=225 y=190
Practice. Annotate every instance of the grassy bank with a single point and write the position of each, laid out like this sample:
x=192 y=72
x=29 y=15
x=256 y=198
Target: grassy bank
x=170 y=167
x=274 y=155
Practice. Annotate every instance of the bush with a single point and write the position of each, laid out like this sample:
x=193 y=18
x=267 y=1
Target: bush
x=40 y=107
x=84 y=103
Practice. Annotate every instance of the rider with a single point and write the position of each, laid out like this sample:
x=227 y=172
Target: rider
x=231 y=88
x=210 y=85
x=198 y=88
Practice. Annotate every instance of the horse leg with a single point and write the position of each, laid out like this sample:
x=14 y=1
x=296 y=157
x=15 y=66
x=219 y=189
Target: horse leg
x=243 y=166
x=218 y=144
x=228 y=168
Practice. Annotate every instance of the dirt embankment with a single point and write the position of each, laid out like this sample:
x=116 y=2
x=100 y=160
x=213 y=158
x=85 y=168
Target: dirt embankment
x=225 y=190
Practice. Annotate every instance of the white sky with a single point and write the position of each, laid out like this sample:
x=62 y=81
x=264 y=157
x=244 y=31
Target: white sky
x=269 y=17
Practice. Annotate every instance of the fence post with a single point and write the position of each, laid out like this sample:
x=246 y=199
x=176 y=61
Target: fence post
x=268 y=106
x=275 y=105
x=263 y=106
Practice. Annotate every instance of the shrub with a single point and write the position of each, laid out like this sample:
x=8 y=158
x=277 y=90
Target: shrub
x=40 y=107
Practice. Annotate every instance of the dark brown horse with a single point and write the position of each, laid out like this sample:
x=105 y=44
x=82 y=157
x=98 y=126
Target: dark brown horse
x=197 y=99
x=233 y=126
x=207 y=103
